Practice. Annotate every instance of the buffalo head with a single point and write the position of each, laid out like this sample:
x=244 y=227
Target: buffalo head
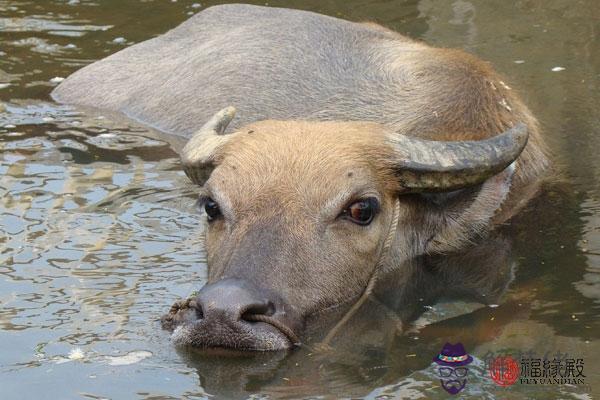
x=302 y=216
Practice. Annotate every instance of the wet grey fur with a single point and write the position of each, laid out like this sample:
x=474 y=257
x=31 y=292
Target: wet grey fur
x=272 y=63
x=269 y=63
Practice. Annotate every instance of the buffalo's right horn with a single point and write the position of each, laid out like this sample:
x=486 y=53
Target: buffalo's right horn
x=435 y=166
x=198 y=155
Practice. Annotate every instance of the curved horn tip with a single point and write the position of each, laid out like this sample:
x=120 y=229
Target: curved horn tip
x=221 y=119
x=196 y=155
x=518 y=133
x=426 y=165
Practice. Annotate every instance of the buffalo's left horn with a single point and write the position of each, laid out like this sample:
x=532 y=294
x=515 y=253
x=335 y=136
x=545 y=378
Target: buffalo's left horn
x=198 y=155
x=434 y=166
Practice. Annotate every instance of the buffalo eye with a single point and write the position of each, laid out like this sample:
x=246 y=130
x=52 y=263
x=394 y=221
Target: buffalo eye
x=211 y=208
x=361 y=212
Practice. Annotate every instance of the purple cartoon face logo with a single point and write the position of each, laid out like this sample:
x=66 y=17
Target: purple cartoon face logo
x=452 y=369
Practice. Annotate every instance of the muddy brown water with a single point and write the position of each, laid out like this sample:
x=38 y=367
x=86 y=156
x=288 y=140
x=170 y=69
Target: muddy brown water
x=99 y=233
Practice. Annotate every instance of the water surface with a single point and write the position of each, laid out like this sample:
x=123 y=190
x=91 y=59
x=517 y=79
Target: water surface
x=99 y=233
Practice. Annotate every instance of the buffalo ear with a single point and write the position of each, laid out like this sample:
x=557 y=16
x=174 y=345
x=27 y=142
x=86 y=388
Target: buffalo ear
x=199 y=154
x=433 y=166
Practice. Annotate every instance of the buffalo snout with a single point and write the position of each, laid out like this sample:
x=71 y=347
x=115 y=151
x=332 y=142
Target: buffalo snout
x=235 y=314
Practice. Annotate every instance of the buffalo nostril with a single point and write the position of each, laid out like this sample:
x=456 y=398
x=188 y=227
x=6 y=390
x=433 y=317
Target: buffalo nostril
x=253 y=311
x=264 y=313
x=195 y=304
x=238 y=306
x=199 y=312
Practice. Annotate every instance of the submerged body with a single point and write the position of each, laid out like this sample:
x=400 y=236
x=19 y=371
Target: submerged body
x=333 y=122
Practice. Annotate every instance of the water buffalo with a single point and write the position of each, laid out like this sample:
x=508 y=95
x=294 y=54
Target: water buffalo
x=353 y=150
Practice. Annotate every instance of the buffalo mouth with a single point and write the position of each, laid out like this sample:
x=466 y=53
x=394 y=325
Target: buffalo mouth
x=249 y=331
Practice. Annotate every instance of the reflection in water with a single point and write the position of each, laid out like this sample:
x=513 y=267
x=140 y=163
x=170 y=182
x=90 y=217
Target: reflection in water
x=390 y=341
x=99 y=234
x=394 y=333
